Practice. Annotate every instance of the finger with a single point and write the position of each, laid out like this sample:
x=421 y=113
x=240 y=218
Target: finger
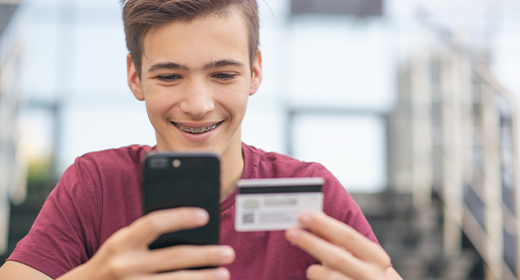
x=318 y=272
x=148 y=228
x=329 y=254
x=215 y=273
x=345 y=236
x=183 y=257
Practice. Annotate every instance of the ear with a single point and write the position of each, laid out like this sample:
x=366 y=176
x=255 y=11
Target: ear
x=134 y=82
x=256 y=80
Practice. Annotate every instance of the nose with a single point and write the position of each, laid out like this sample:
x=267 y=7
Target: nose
x=197 y=100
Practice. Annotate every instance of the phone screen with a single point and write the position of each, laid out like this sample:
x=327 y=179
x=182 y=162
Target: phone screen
x=175 y=180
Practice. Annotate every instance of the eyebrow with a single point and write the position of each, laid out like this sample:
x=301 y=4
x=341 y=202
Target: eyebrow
x=213 y=64
x=222 y=63
x=168 y=65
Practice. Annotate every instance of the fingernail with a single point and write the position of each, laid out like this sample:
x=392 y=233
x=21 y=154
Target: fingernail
x=309 y=271
x=293 y=234
x=306 y=218
x=222 y=273
x=201 y=215
x=226 y=253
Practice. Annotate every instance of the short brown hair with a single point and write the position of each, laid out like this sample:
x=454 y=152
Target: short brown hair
x=141 y=15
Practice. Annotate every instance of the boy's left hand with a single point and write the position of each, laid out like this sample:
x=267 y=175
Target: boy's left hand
x=343 y=252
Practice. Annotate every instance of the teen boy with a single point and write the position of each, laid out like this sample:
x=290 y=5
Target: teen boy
x=194 y=63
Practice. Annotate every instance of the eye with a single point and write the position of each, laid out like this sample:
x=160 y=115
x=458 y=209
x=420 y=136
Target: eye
x=168 y=78
x=224 y=76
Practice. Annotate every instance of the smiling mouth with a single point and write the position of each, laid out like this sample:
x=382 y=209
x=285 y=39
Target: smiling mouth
x=197 y=130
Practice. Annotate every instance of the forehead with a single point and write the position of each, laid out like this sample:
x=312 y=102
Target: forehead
x=198 y=41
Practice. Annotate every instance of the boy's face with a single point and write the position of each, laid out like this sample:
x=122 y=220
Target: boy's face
x=196 y=81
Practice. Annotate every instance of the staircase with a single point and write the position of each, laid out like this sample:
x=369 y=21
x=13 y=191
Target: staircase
x=414 y=240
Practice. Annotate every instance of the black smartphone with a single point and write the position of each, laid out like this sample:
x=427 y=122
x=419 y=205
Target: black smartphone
x=175 y=180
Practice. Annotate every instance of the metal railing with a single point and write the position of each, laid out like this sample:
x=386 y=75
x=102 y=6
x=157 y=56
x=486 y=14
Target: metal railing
x=464 y=146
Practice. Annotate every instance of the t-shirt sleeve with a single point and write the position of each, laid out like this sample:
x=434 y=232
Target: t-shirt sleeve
x=66 y=232
x=338 y=204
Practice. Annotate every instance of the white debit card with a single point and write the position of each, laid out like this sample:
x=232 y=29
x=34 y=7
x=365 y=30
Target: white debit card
x=276 y=204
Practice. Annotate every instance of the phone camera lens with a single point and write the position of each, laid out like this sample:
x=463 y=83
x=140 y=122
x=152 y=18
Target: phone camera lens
x=176 y=163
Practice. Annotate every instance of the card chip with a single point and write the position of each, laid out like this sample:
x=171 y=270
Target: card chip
x=249 y=218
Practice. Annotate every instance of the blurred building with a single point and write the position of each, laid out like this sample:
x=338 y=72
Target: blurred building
x=454 y=150
x=12 y=168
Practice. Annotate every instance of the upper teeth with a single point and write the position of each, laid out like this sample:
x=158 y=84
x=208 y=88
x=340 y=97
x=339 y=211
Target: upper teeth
x=196 y=130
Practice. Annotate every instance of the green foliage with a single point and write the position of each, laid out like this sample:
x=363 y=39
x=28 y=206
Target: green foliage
x=39 y=172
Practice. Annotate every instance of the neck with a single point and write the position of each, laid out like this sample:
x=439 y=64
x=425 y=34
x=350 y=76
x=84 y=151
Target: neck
x=231 y=165
x=231 y=168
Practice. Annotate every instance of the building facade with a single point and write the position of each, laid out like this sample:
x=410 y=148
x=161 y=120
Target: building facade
x=455 y=137
x=12 y=167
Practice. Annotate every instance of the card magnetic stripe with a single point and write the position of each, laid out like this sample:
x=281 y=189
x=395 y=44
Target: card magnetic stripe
x=292 y=189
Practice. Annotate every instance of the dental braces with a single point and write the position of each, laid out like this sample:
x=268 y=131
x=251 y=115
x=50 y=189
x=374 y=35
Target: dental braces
x=196 y=130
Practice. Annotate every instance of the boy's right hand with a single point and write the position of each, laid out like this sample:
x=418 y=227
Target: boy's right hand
x=125 y=255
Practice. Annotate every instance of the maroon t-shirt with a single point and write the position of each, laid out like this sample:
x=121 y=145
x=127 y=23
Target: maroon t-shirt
x=101 y=193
